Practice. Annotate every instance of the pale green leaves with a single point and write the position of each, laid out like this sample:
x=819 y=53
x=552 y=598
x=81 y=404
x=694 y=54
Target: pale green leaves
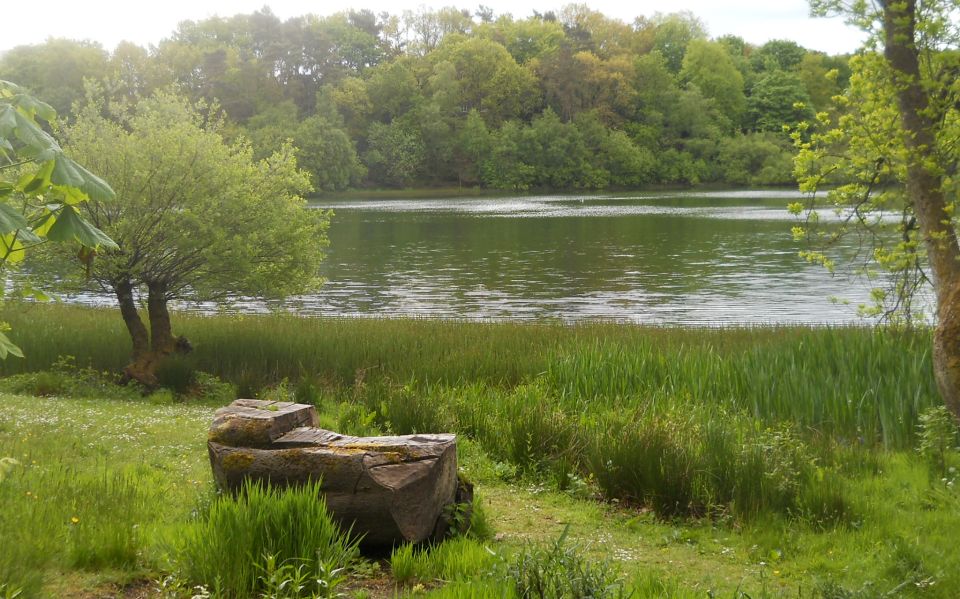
x=41 y=204
x=68 y=173
x=8 y=348
x=70 y=227
x=11 y=220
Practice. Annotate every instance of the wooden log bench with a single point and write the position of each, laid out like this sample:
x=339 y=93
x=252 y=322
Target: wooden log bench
x=390 y=489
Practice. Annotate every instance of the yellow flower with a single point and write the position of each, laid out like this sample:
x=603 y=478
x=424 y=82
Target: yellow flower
x=75 y=520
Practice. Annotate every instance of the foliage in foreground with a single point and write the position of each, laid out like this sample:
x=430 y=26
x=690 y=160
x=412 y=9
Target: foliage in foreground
x=41 y=190
x=245 y=543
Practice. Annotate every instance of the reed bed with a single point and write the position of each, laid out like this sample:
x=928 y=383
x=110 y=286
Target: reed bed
x=865 y=386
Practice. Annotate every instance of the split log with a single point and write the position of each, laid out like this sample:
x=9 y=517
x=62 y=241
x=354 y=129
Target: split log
x=390 y=489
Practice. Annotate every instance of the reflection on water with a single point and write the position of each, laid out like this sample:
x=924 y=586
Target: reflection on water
x=679 y=258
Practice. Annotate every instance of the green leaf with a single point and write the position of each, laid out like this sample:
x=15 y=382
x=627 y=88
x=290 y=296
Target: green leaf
x=30 y=183
x=41 y=224
x=71 y=227
x=6 y=188
x=68 y=173
x=8 y=347
x=36 y=139
x=11 y=220
x=12 y=249
x=32 y=292
x=35 y=107
x=9 y=85
x=8 y=120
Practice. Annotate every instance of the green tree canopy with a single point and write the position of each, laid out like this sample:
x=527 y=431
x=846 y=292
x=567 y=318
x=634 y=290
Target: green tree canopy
x=708 y=66
x=194 y=217
x=888 y=164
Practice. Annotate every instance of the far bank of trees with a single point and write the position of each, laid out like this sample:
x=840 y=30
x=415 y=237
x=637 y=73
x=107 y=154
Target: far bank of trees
x=563 y=100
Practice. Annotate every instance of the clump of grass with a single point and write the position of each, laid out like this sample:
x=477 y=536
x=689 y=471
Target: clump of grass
x=937 y=433
x=403 y=563
x=407 y=409
x=104 y=528
x=460 y=558
x=291 y=525
x=562 y=570
x=686 y=461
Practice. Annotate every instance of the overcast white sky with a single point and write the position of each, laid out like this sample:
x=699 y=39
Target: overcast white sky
x=146 y=23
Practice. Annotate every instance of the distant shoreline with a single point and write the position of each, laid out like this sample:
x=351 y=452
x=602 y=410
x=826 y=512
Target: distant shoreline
x=480 y=192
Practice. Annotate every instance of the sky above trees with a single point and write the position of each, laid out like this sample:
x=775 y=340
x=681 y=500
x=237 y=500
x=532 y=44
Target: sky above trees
x=144 y=23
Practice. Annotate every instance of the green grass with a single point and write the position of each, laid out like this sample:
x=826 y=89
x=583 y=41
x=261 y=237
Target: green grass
x=862 y=385
x=230 y=544
x=97 y=482
x=136 y=471
x=777 y=462
x=456 y=559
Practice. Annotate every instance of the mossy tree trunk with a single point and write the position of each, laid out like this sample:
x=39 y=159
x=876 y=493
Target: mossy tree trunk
x=150 y=347
x=924 y=183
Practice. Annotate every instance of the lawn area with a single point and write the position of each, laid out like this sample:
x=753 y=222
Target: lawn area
x=743 y=462
x=105 y=487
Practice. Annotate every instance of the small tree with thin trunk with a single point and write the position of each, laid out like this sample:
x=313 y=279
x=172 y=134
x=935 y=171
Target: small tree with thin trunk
x=195 y=218
x=890 y=163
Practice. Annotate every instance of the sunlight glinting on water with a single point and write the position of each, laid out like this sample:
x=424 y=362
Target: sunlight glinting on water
x=692 y=258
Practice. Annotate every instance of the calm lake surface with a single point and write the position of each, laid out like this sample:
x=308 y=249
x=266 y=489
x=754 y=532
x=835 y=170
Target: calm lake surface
x=691 y=258
x=674 y=258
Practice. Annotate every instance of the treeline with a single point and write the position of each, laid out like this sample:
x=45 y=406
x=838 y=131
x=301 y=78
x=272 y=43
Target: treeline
x=560 y=100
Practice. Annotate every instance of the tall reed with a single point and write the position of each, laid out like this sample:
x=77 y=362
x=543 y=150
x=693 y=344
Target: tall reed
x=262 y=523
x=864 y=385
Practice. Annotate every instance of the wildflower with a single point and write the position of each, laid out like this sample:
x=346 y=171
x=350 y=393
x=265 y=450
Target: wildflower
x=75 y=520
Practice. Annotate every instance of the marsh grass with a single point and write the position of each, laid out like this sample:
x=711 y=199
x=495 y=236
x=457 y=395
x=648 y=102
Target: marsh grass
x=455 y=559
x=561 y=569
x=863 y=385
x=289 y=526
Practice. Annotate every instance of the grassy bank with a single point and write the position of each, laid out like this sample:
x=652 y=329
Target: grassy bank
x=109 y=492
x=856 y=384
x=780 y=462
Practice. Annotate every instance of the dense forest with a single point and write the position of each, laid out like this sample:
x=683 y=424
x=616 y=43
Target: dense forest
x=560 y=100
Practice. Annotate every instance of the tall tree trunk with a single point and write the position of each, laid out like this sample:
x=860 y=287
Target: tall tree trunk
x=161 y=335
x=147 y=356
x=123 y=289
x=925 y=192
